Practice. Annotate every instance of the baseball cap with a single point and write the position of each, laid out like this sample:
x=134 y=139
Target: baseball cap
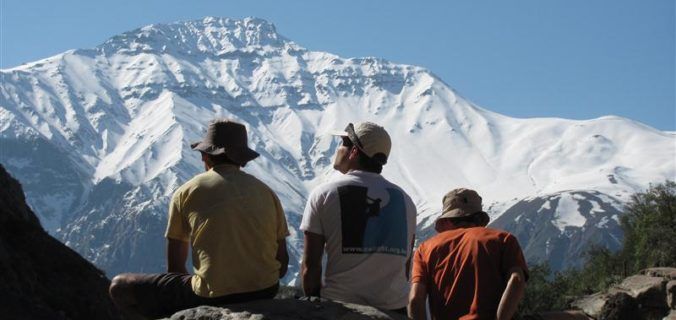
x=370 y=138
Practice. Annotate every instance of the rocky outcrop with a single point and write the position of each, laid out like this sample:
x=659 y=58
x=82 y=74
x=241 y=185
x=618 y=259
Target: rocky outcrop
x=648 y=295
x=40 y=278
x=286 y=309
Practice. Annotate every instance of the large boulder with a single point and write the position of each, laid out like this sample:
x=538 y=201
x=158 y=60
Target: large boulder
x=40 y=278
x=648 y=295
x=286 y=309
x=646 y=290
x=592 y=304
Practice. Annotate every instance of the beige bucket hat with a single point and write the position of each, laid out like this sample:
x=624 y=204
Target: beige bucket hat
x=460 y=203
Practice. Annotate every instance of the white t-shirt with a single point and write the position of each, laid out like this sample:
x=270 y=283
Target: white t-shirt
x=369 y=224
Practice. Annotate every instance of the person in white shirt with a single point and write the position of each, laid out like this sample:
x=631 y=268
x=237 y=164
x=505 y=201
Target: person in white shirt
x=364 y=223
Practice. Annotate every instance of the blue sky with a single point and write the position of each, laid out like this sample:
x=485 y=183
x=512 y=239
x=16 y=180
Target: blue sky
x=575 y=59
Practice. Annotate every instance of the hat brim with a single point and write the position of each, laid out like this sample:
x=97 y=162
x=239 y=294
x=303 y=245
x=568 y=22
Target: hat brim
x=455 y=213
x=241 y=156
x=338 y=133
x=352 y=135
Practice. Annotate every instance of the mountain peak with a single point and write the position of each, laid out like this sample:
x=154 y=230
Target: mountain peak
x=210 y=35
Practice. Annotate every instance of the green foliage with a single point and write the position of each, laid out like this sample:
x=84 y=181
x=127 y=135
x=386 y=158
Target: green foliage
x=602 y=269
x=542 y=292
x=649 y=225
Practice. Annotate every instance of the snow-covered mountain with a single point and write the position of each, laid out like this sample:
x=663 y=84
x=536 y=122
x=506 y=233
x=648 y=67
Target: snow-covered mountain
x=100 y=140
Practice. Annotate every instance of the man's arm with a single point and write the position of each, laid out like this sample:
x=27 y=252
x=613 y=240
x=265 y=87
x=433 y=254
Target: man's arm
x=312 y=264
x=177 y=254
x=516 y=286
x=408 y=260
x=283 y=257
x=416 y=301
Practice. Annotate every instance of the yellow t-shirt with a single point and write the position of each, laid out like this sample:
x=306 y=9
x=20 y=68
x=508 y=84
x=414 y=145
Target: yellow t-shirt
x=233 y=222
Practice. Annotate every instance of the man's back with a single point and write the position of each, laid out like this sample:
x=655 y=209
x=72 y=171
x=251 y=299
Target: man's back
x=368 y=224
x=465 y=271
x=236 y=221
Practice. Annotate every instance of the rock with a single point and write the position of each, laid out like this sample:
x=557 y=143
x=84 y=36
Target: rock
x=667 y=273
x=286 y=309
x=619 y=306
x=13 y=203
x=40 y=278
x=592 y=304
x=671 y=294
x=671 y=315
x=559 y=315
x=648 y=291
x=649 y=295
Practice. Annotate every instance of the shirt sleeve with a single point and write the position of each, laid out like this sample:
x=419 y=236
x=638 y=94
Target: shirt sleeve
x=418 y=274
x=311 y=216
x=512 y=256
x=412 y=216
x=177 y=226
x=282 y=228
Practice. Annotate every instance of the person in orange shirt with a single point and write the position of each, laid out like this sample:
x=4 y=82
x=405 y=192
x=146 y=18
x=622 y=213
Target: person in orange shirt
x=467 y=271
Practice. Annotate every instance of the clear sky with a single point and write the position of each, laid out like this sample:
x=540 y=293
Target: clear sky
x=576 y=59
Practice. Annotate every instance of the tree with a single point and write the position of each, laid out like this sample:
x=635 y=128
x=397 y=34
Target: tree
x=649 y=225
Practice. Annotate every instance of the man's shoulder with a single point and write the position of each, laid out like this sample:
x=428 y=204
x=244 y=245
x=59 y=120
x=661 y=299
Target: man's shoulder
x=391 y=185
x=477 y=233
x=193 y=183
x=253 y=181
x=497 y=232
x=333 y=184
x=487 y=234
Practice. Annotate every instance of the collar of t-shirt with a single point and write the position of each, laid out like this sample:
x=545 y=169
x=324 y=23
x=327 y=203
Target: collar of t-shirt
x=225 y=167
x=363 y=174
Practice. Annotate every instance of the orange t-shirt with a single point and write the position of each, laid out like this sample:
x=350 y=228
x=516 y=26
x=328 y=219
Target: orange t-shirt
x=466 y=270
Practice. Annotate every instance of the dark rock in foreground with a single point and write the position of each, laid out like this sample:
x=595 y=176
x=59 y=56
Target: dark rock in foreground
x=40 y=278
x=286 y=309
x=649 y=295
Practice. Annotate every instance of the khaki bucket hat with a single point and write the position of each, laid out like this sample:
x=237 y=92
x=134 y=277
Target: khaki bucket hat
x=460 y=203
x=370 y=138
x=226 y=137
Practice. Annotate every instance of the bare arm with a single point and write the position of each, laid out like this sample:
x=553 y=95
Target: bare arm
x=283 y=257
x=312 y=264
x=516 y=286
x=177 y=255
x=408 y=260
x=416 y=301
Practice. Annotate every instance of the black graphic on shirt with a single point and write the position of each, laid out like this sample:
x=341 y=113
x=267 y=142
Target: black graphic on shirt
x=369 y=228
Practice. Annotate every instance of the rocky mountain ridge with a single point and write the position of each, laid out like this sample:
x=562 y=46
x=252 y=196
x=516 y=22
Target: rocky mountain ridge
x=112 y=126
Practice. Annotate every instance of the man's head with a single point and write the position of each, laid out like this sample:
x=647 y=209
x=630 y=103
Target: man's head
x=364 y=146
x=225 y=142
x=462 y=207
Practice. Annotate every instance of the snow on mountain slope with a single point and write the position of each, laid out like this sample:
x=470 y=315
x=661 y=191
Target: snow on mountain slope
x=100 y=138
x=560 y=227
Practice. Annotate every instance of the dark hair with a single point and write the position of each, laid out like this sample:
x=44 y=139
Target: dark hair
x=370 y=164
x=221 y=159
x=476 y=218
x=366 y=163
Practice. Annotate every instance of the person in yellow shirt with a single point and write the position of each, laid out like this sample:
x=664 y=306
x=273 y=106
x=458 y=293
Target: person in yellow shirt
x=233 y=223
